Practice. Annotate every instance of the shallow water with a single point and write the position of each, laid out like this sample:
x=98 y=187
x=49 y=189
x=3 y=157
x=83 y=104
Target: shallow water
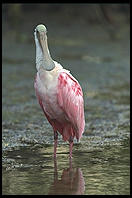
x=100 y=163
x=103 y=170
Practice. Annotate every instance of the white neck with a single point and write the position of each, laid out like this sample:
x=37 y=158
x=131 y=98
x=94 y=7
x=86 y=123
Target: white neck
x=43 y=58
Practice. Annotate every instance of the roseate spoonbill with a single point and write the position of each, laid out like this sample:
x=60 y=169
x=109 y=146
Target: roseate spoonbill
x=59 y=93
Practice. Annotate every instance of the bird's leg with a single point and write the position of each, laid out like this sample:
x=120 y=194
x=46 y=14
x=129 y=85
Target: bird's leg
x=55 y=143
x=70 y=147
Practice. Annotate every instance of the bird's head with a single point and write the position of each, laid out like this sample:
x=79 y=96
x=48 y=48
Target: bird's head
x=41 y=32
x=41 y=28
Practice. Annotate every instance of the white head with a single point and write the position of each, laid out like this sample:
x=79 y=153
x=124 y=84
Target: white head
x=41 y=28
x=43 y=58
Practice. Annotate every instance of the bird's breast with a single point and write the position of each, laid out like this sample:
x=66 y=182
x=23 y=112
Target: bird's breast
x=46 y=86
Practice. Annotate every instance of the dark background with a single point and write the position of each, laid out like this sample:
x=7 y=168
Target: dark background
x=16 y=17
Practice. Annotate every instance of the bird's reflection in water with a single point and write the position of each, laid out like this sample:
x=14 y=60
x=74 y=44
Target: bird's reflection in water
x=71 y=182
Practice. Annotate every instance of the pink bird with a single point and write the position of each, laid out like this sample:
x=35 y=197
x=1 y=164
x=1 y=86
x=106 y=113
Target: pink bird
x=59 y=94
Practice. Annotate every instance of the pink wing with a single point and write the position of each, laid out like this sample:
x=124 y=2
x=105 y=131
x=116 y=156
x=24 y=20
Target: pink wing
x=70 y=99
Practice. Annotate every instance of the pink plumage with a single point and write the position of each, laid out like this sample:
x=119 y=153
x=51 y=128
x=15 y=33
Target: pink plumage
x=70 y=122
x=70 y=99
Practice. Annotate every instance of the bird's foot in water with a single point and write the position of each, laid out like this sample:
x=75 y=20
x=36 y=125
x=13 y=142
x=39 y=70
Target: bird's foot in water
x=70 y=157
x=70 y=147
x=54 y=156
